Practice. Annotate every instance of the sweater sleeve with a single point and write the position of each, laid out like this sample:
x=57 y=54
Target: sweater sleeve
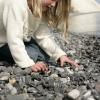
x=47 y=43
x=13 y=19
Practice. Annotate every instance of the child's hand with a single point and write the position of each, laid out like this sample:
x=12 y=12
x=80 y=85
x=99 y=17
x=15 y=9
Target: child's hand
x=39 y=66
x=64 y=59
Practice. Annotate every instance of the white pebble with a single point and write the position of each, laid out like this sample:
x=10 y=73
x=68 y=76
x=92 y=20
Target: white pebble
x=71 y=52
x=68 y=70
x=12 y=89
x=4 y=76
x=87 y=94
x=77 y=61
x=60 y=69
x=90 y=98
x=63 y=80
x=74 y=94
x=54 y=76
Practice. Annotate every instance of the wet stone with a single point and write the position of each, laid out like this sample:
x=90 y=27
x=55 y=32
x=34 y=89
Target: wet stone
x=32 y=90
x=96 y=94
x=90 y=98
x=77 y=61
x=74 y=94
x=58 y=96
x=36 y=76
x=83 y=89
x=87 y=94
x=67 y=69
x=62 y=75
x=28 y=79
x=60 y=69
x=50 y=96
x=54 y=76
x=36 y=82
x=71 y=52
x=20 y=71
x=4 y=76
x=12 y=81
x=2 y=68
x=17 y=97
x=12 y=89
x=64 y=80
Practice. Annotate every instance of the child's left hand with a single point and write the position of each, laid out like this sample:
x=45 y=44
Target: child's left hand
x=64 y=59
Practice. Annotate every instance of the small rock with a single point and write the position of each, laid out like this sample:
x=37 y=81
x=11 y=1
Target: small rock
x=2 y=68
x=80 y=72
x=17 y=70
x=9 y=69
x=54 y=76
x=96 y=94
x=18 y=97
x=81 y=67
x=50 y=96
x=90 y=98
x=12 y=89
x=74 y=94
x=87 y=94
x=77 y=60
x=67 y=69
x=71 y=52
x=62 y=75
x=36 y=82
x=36 y=76
x=83 y=89
x=32 y=90
x=4 y=76
x=60 y=69
x=12 y=81
x=76 y=69
x=28 y=79
x=59 y=96
x=63 y=80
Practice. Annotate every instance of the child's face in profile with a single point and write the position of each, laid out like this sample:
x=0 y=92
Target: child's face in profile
x=48 y=3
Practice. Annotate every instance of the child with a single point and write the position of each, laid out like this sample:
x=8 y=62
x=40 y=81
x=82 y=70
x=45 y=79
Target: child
x=24 y=32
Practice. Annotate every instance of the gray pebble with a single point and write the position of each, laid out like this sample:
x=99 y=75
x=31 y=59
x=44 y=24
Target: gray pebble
x=12 y=89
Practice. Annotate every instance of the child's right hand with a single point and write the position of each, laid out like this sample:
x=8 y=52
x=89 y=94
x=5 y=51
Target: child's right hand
x=39 y=66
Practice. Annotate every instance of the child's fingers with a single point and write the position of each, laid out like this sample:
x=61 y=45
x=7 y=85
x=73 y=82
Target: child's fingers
x=33 y=69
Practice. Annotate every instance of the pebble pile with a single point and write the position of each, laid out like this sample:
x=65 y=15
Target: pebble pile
x=58 y=83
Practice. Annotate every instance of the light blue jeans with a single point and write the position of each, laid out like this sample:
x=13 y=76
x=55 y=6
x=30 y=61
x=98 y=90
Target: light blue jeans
x=32 y=48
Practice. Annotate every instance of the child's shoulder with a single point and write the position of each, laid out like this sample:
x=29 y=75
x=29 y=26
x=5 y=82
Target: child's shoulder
x=15 y=2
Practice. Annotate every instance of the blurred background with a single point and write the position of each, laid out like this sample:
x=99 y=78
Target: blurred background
x=85 y=16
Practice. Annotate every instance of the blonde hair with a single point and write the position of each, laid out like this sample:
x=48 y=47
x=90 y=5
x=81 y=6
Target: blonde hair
x=54 y=15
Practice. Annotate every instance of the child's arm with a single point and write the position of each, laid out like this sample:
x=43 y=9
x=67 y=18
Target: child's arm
x=13 y=19
x=47 y=43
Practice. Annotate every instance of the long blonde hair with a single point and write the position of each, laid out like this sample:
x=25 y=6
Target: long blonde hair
x=54 y=15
